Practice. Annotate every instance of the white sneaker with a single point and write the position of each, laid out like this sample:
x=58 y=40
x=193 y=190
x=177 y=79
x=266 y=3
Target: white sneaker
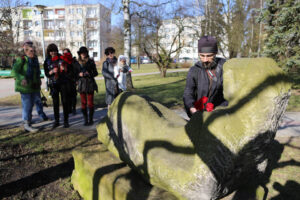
x=29 y=128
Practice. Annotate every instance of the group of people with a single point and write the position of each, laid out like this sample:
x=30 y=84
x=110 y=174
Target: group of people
x=68 y=75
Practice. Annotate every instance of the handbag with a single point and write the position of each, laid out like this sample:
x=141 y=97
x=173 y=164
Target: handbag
x=44 y=100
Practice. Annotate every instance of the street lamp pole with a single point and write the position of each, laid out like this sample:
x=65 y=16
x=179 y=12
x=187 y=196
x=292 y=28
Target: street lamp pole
x=41 y=9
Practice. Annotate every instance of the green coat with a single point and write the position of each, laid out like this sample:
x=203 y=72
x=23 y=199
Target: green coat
x=19 y=73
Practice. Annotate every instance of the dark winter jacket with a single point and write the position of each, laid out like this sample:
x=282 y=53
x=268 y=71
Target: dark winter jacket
x=62 y=77
x=87 y=83
x=111 y=84
x=197 y=85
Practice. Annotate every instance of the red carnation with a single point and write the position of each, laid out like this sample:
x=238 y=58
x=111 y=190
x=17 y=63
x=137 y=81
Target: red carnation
x=67 y=57
x=209 y=107
x=200 y=104
x=55 y=58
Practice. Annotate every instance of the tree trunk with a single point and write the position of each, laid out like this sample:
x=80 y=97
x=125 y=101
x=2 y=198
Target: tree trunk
x=127 y=38
x=260 y=30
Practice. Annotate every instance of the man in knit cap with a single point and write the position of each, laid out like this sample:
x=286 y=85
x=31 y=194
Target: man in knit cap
x=204 y=83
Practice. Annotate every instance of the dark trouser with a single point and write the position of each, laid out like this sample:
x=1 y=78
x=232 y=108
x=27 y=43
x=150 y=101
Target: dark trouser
x=73 y=96
x=63 y=90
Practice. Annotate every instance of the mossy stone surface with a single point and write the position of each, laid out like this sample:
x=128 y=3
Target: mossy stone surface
x=209 y=156
x=100 y=175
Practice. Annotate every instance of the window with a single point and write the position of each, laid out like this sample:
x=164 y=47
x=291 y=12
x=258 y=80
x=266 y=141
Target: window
x=79 y=33
x=27 y=24
x=72 y=33
x=92 y=23
x=49 y=24
x=78 y=21
x=91 y=12
x=95 y=54
x=51 y=34
x=60 y=33
x=71 y=11
x=79 y=10
x=48 y=13
x=27 y=33
x=60 y=24
x=61 y=12
x=36 y=23
x=79 y=44
x=38 y=34
x=92 y=43
x=17 y=23
x=72 y=22
x=92 y=33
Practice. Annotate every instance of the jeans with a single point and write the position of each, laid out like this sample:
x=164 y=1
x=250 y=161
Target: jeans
x=28 y=101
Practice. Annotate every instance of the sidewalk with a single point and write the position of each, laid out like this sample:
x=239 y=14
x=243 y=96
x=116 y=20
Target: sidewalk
x=12 y=116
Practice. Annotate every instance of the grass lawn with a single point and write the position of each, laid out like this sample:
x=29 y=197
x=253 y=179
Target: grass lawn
x=144 y=68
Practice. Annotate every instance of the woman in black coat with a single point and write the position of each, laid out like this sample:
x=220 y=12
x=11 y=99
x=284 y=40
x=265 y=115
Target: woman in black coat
x=86 y=84
x=111 y=84
x=57 y=69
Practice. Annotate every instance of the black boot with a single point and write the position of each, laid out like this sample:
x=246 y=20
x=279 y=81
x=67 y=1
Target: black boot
x=91 y=116
x=85 y=117
x=66 y=124
x=55 y=124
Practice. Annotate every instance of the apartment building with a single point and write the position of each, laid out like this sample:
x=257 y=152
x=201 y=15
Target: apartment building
x=70 y=26
x=188 y=38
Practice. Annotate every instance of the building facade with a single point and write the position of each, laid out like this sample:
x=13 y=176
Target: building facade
x=188 y=38
x=70 y=26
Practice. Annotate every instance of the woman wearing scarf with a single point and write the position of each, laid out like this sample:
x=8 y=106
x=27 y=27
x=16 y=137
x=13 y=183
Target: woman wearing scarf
x=60 y=76
x=27 y=72
x=86 y=84
x=73 y=91
x=111 y=84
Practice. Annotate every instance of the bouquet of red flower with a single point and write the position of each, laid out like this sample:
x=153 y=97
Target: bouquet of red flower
x=202 y=104
x=55 y=65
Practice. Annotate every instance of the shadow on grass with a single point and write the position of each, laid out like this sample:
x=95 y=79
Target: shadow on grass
x=213 y=153
x=38 y=179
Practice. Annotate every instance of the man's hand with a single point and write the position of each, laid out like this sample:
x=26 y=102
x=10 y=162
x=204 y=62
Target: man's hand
x=55 y=70
x=81 y=74
x=193 y=110
x=24 y=82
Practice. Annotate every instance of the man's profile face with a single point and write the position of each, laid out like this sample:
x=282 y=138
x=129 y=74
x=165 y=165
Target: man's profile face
x=29 y=51
x=207 y=59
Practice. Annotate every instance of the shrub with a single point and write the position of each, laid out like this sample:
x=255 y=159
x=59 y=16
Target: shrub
x=186 y=65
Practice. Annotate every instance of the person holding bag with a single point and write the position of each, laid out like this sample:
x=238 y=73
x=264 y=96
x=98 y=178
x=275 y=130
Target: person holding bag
x=86 y=84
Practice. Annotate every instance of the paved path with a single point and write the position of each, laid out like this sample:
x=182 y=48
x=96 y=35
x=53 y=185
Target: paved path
x=7 y=85
x=12 y=116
